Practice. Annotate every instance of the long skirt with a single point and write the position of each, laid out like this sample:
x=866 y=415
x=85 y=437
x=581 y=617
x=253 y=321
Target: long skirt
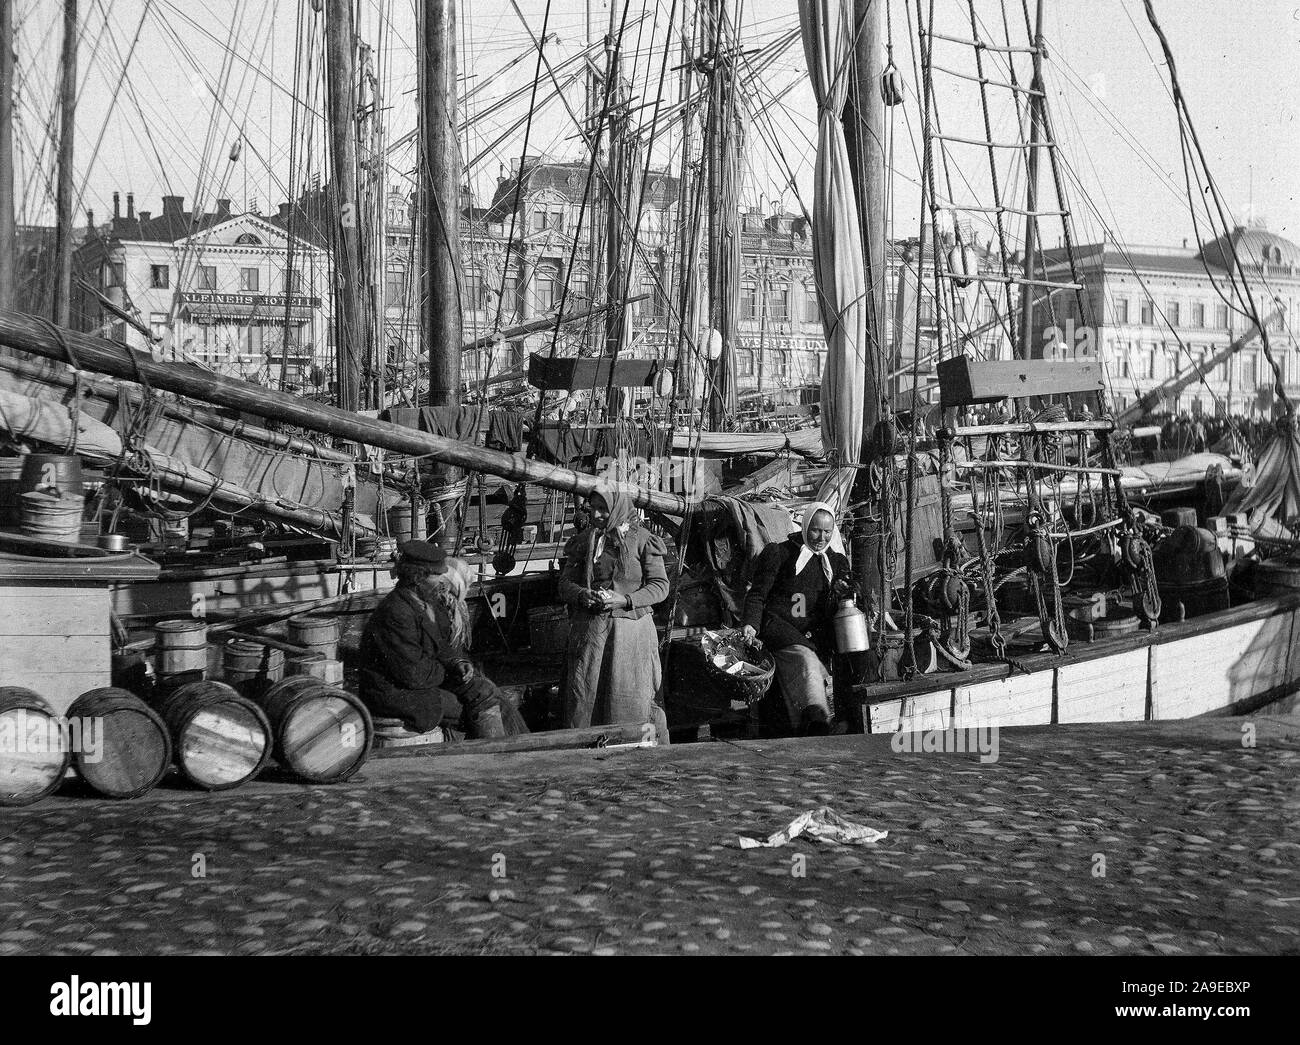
x=612 y=672
x=803 y=679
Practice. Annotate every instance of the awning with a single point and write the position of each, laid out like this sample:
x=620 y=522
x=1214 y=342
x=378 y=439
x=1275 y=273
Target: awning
x=588 y=374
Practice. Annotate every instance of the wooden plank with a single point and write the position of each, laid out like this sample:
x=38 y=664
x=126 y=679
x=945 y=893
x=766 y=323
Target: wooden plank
x=54 y=655
x=924 y=711
x=53 y=611
x=963 y=380
x=578 y=374
x=1021 y=700
x=1204 y=673
x=1112 y=689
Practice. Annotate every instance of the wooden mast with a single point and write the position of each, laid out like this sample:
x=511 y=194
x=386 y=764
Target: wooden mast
x=8 y=233
x=439 y=208
x=1025 y=348
x=62 y=299
x=350 y=328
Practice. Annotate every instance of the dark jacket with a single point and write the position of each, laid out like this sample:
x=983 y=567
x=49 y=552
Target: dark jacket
x=776 y=595
x=638 y=572
x=405 y=657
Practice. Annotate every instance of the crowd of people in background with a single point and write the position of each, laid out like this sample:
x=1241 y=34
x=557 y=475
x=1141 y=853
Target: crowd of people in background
x=1189 y=434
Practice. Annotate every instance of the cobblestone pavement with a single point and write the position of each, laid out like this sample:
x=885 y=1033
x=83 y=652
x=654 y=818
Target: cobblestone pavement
x=635 y=851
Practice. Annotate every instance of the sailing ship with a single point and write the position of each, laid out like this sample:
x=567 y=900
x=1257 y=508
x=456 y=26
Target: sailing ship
x=1008 y=576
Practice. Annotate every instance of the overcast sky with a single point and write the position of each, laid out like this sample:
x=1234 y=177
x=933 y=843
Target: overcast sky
x=202 y=75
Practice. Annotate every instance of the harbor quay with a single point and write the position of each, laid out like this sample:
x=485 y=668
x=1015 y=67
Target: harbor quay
x=1168 y=838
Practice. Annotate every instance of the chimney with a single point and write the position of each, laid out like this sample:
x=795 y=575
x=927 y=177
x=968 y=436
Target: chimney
x=145 y=216
x=117 y=205
x=130 y=206
x=1184 y=243
x=90 y=220
x=223 y=209
x=283 y=212
x=173 y=205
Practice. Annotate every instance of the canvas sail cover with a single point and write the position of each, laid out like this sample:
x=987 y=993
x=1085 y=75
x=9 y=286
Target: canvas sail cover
x=1273 y=498
x=838 y=263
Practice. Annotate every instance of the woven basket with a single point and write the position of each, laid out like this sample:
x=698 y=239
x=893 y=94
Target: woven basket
x=753 y=680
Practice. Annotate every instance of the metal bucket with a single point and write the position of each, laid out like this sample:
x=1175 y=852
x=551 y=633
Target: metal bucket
x=11 y=487
x=49 y=472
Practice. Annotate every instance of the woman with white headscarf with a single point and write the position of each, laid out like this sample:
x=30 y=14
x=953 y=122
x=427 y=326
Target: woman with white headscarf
x=789 y=609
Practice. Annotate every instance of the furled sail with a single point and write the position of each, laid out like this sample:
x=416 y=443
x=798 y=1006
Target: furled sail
x=838 y=264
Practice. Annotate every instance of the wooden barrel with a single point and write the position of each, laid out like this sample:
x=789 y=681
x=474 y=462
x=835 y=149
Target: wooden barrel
x=52 y=473
x=33 y=754
x=328 y=671
x=182 y=645
x=52 y=516
x=11 y=472
x=134 y=750
x=405 y=524
x=1175 y=517
x=318 y=632
x=251 y=662
x=322 y=733
x=220 y=738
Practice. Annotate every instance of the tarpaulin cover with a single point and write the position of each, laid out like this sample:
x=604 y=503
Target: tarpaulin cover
x=838 y=263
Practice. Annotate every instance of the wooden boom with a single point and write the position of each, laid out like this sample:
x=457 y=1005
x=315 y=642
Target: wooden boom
x=30 y=334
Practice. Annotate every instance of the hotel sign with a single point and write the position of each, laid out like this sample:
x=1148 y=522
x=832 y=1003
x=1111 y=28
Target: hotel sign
x=267 y=301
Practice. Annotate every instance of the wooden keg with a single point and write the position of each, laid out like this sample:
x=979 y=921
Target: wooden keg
x=134 y=750
x=318 y=632
x=220 y=738
x=33 y=752
x=182 y=646
x=322 y=733
x=52 y=516
x=251 y=666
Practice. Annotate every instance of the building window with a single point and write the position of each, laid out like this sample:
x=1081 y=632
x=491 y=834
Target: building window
x=292 y=281
x=1198 y=315
x=811 y=310
x=473 y=290
x=395 y=290
x=252 y=339
x=247 y=240
x=207 y=277
x=510 y=299
x=1147 y=316
x=580 y=288
x=1126 y=361
x=778 y=303
x=1172 y=314
x=248 y=280
x=1121 y=310
x=158 y=325
x=1220 y=317
x=545 y=282
x=812 y=366
x=748 y=299
x=745 y=362
x=1249 y=372
x=160 y=277
x=1149 y=364
x=925 y=312
x=782 y=364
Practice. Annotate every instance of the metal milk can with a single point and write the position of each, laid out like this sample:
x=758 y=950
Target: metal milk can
x=850 y=627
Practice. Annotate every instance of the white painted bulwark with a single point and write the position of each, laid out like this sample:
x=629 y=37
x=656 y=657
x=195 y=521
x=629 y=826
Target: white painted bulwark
x=1021 y=700
x=1108 y=689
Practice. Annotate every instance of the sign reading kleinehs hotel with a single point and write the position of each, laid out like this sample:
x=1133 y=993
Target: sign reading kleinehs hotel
x=252 y=300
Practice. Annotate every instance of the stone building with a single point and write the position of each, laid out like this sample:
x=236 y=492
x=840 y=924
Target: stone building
x=1154 y=311
x=217 y=288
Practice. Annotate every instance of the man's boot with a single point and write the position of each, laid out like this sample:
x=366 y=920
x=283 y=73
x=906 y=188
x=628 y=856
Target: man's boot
x=814 y=722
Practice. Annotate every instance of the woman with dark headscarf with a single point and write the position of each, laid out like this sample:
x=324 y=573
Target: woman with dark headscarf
x=789 y=609
x=612 y=578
